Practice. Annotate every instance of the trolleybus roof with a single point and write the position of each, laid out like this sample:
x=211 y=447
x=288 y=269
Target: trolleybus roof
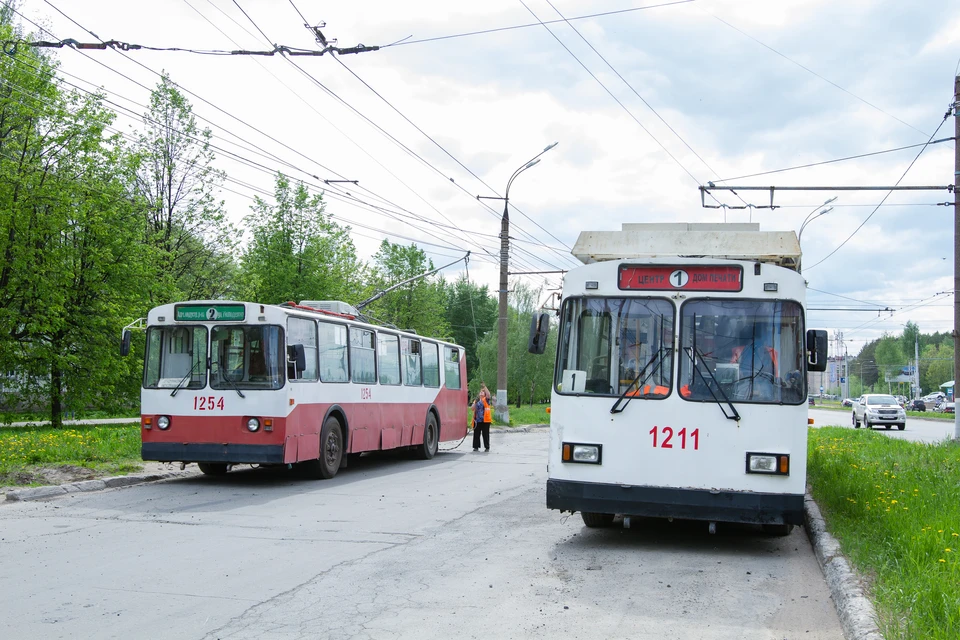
x=743 y=241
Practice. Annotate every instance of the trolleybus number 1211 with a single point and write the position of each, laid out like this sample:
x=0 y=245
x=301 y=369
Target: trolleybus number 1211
x=207 y=403
x=667 y=434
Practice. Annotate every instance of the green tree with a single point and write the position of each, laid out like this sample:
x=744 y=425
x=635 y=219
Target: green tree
x=69 y=235
x=296 y=252
x=176 y=181
x=529 y=376
x=471 y=313
x=418 y=305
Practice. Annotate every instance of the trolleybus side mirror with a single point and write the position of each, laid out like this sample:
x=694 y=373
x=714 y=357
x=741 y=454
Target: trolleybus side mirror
x=125 y=342
x=297 y=356
x=539 y=330
x=816 y=350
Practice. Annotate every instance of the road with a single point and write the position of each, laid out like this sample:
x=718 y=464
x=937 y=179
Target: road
x=460 y=546
x=918 y=429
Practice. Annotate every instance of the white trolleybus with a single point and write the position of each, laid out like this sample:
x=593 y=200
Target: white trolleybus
x=229 y=383
x=681 y=387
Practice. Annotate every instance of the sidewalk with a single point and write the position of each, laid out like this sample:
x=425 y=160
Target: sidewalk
x=45 y=423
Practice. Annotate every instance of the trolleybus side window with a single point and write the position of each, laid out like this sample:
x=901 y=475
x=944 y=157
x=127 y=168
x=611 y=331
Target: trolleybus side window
x=742 y=351
x=363 y=366
x=333 y=352
x=451 y=368
x=175 y=355
x=616 y=346
x=302 y=331
x=431 y=365
x=388 y=358
x=412 y=374
x=247 y=357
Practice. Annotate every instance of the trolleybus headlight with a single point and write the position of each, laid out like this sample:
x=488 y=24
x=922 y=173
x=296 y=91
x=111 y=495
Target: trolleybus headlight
x=253 y=424
x=585 y=453
x=163 y=423
x=776 y=464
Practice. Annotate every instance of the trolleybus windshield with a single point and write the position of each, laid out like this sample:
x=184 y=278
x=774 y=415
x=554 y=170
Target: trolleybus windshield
x=744 y=350
x=616 y=346
x=176 y=357
x=247 y=357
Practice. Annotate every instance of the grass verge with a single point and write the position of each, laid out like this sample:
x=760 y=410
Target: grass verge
x=893 y=506
x=105 y=450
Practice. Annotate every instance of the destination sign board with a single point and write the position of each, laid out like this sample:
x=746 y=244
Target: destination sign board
x=208 y=312
x=681 y=277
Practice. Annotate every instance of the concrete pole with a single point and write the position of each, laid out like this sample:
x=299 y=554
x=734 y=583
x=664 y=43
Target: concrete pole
x=956 y=251
x=501 y=406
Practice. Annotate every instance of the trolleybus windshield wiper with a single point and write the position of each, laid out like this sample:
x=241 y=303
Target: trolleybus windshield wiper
x=180 y=384
x=644 y=374
x=710 y=387
x=233 y=383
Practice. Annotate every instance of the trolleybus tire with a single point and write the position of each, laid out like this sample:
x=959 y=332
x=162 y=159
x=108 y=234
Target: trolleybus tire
x=213 y=468
x=595 y=520
x=428 y=449
x=331 y=451
x=778 y=529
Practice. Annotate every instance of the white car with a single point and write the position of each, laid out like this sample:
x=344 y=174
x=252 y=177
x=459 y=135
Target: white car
x=873 y=409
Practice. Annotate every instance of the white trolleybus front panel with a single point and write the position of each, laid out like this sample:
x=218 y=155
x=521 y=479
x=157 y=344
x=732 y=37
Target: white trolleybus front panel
x=680 y=391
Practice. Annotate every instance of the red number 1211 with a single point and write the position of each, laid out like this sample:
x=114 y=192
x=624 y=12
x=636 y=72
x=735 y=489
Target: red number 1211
x=667 y=442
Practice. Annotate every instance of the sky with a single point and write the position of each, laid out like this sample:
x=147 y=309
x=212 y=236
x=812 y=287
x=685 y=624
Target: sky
x=646 y=100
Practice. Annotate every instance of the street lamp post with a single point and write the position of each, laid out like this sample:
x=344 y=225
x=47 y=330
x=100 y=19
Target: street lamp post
x=501 y=407
x=813 y=215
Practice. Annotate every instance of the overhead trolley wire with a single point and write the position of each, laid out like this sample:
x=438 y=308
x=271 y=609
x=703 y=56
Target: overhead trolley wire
x=877 y=208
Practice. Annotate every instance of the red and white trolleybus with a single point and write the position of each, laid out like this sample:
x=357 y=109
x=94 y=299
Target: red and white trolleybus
x=229 y=383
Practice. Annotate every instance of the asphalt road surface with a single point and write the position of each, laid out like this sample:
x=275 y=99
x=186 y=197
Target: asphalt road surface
x=918 y=429
x=461 y=546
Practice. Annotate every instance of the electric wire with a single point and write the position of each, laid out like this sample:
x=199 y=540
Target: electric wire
x=533 y=24
x=907 y=170
x=187 y=90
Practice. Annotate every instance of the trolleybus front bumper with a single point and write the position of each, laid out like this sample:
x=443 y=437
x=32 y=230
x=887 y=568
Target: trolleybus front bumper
x=666 y=502
x=212 y=452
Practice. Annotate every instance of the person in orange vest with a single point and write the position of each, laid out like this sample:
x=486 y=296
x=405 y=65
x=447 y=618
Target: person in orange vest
x=481 y=409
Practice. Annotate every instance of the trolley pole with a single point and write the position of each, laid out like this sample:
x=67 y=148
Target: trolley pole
x=956 y=250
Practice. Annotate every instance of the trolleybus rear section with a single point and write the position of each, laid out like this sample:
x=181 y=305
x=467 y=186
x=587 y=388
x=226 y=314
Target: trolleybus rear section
x=680 y=385
x=229 y=383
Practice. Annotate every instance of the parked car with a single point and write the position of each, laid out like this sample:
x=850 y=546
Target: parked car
x=944 y=407
x=933 y=399
x=917 y=405
x=847 y=402
x=873 y=409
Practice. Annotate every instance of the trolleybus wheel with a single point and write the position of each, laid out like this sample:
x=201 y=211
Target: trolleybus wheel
x=213 y=468
x=331 y=448
x=778 y=529
x=428 y=449
x=594 y=520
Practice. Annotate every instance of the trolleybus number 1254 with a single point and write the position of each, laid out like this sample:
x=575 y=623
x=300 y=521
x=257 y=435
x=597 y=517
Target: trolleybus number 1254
x=207 y=403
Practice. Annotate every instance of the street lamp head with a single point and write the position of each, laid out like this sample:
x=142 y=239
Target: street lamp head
x=550 y=146
x=531 y=163
x=829 y=201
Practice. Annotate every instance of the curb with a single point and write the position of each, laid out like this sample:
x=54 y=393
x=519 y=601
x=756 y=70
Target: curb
x=857 y=615
x=40 y=493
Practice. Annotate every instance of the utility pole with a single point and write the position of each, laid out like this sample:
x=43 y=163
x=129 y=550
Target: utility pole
x=956 y=249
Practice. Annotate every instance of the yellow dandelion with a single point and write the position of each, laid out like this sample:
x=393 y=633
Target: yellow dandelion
x=947 y=550
x=941 y=560
x=893 y=502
